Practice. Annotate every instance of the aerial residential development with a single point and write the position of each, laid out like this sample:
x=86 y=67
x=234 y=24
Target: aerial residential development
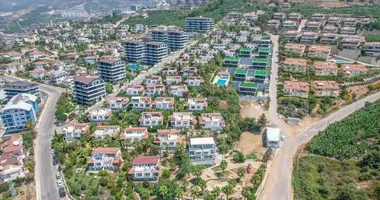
x=192 y=99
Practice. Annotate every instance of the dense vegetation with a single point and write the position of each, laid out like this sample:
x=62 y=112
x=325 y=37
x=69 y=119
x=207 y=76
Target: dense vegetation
x=217 y=10
x=355 y=142
x=64 y=107
x=352 y=137
x=372 y=38
x=354 y=10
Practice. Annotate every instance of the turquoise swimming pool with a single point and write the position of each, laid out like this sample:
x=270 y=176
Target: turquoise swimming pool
x=221 y=82
x=135 y=66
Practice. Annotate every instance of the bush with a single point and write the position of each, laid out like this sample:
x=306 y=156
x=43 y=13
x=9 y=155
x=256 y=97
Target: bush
x=238 y=158
x=4 y=187
x=103 y=182
x=103 y=173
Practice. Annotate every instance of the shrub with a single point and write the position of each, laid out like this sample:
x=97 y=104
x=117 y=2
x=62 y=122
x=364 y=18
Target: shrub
x=103 y=173
x=238 y=158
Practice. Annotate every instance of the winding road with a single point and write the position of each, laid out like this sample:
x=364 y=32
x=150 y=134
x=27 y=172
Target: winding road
x=46 y=186
x=278 y=184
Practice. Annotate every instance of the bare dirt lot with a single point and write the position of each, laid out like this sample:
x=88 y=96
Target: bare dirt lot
x=251 y=143
x=253 y=109
x=360 y=90
x=306 y=123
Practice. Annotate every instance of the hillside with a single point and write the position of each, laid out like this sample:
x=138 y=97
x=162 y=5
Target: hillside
x=216 y=10
x=344 y=160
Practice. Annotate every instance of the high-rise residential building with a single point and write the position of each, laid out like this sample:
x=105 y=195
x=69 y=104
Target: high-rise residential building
x=158 y=36
x=13 y=88
x=88 y=89
x=19 y=110
x=155 y=52
x=202 y=151
x=199 y=24
x=176 y=40
x=134 y=51
x=111 y=70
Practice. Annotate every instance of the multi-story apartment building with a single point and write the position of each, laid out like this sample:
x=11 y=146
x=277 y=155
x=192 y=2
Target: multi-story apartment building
x=199 y=24
x=273 y=24
x=319 y=51
x=135 y=90
x=351 y=42
x=173 y=80
x=309 y=37
x=158 y=36
x=296 y=89
x=318 y=17
x=117 y=103
x=202 y=151
x=353 y=69
x=145 y=168
x=99 y=115
x=153 y=80
x=106 y=131
x=141 y=103
x=182 y=120
x=279 y=16
x=313 y=25
x=75 y=131
x=151 y=119
x=291 y=35
x=164 y=103
x=19 y=110
x=325 y=88
x=169 y=71
x=88 y=89
x=168 y=139
x=325 y=68
x=350 y=22
x=134 y=51
x=295 y=17
x=297 y=65
x=289 y=25
x=132 y=134
x=330 y=29
x=295 y=48
x=196 y=104
x=328 y=38
x=334 y=21
x=105 y=158
x=248 y=88
x=155 y=52
x=178 y=90
x=194 y=81
x=13 y=88
x=155 y=89
x=348 y=30
x=176 y=40
x=212 y=121
x=372 y=48
x=111 y=70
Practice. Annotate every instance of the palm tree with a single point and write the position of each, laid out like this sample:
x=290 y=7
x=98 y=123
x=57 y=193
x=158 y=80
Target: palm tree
x=202 y=184
x=179 y=193
x=246 y=192
x=216 y=191
x=29 y=126
x=228 y=190
x=163 y=191
x=195 y=192
x=185 y=184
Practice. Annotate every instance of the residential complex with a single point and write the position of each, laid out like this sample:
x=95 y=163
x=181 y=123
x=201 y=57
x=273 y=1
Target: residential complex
x=13 y=88
x=88 y=89
x=105 y=158
x=199 y=24
x=111 y=70
x=20 y=109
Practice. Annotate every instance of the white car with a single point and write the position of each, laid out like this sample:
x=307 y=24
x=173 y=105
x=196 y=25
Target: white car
x=59 y=183
x=282 y=137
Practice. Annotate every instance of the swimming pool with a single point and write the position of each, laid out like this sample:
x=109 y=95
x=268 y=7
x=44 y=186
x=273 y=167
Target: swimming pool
x=135 y=66
x=342 y=61
x=221 y=82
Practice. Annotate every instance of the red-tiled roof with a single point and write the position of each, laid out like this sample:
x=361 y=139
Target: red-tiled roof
x=146 y=160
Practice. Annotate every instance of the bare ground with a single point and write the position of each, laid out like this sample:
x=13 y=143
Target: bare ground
x=253 y=109
x=251 y=143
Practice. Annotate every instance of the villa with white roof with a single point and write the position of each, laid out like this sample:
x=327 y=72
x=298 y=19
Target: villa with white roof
x=75 y=131
x=99 y=115
x=102 y=131
x=202 y=151
x=132 y=134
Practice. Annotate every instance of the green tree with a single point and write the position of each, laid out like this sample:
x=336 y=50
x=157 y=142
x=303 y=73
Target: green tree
x=263 y=121
x=179 y=193
x=223 y=165
x=195 y=192
x=197 y=172
x=163 y=192
x=109 y=88
x=241 y=172
x=202 y=184
x=246 y=192
x=228 y=190
x=216 y=191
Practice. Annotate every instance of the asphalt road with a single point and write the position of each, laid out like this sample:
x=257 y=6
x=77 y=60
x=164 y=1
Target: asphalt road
x=273 y=116
x=46 y=186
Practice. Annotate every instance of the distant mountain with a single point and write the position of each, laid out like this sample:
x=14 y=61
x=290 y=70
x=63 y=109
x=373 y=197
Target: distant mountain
x=15 y=5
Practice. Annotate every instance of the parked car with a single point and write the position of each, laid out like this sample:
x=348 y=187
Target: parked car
x=58 y=175
x=59 y=183
x=61 y=192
